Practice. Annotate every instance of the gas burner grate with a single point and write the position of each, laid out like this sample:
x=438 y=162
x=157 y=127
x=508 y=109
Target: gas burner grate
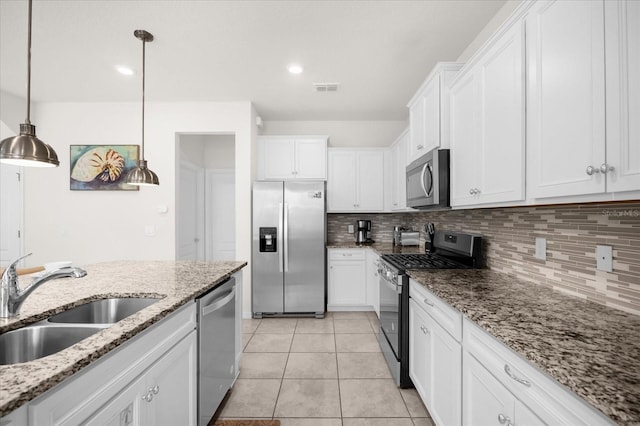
x=421 y=261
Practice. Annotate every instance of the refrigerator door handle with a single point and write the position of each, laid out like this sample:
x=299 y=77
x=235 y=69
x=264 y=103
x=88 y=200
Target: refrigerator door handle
x=286 y=237
x=282 y=245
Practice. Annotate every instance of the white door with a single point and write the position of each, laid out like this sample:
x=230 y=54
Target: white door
x=464 y=108
x=347 y=283
x=11 y=202
x=445 y=377
x=431 y=97
x=190 y=226
x=221 y=219
x=420 y=351
x=311 y=158
x=565 y=98
x=501 y=145
x=341 y=185
x=623 y=94
x=484 y=397
x=370 y=180
x=279 y=159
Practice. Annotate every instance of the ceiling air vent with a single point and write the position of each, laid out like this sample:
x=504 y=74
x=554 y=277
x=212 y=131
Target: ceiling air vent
x=326 y=87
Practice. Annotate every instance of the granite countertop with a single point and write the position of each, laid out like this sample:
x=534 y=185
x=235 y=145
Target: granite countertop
x=175 y=282
x=591 y=349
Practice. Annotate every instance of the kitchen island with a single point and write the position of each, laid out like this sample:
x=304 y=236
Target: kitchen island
x=175 y=283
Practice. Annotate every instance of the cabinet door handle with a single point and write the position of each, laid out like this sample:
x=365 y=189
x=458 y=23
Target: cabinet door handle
x=155 y=389
x=424 y=329
x=605 y=168
x=502 y=419
x=420 y=147
x=148 y=396
x=428 y=302
x=471 y=191
x=591 y=170
x=514 y=377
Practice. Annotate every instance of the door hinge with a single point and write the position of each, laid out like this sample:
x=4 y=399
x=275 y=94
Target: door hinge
x=19 y=233
x=18 y=174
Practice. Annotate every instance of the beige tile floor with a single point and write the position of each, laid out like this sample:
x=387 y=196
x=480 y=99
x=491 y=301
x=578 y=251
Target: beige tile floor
x=319 y=372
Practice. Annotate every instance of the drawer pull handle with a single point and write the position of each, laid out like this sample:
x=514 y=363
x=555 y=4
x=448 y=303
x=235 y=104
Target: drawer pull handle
x=516 y=378
x=428 y=302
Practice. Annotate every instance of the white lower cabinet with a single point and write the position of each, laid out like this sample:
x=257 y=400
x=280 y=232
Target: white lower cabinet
x=373 y=281
x=435 y=366
x=488 y=402
x=466 y=376
x=347 y=279
x=499 y=381
x=163 y=395
x=150 y=379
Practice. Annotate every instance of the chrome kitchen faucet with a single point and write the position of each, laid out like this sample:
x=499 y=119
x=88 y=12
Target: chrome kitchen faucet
x=12 y=297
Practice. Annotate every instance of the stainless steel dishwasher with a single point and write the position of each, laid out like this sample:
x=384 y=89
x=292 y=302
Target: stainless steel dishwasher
x=216 y=347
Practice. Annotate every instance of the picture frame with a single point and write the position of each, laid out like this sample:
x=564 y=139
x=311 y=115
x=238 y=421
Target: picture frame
x=101 y=167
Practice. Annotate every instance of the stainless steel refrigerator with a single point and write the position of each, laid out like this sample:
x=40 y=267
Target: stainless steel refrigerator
x=289 y=261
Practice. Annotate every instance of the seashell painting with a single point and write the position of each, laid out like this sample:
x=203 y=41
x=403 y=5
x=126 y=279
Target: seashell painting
x=102 y=167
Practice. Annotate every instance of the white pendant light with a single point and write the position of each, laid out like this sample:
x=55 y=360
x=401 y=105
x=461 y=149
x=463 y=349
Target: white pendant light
x=141 y=174
x=26 y=149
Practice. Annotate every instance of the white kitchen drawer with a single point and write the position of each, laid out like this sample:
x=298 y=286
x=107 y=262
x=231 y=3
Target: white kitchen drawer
x=347 y=254
x=546 y=397
x=447 y=317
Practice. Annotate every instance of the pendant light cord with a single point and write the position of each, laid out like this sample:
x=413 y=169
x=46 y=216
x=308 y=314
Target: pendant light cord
x=143 y=72
x=28 y=121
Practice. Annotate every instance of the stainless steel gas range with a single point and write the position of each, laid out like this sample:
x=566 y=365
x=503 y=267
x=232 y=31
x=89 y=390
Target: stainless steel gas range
x=450 y=250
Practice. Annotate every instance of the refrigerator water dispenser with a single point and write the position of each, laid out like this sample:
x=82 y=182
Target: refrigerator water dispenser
x=268 y=240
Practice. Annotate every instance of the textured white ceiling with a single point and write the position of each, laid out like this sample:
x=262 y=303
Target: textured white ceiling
x=379 y=51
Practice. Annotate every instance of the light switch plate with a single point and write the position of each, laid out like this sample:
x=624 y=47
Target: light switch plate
x=541 y=248
x=604 y=258
x=350 y=229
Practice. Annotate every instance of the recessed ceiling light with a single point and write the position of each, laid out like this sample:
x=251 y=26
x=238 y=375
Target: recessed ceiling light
x=295 y=69
x=124 y=70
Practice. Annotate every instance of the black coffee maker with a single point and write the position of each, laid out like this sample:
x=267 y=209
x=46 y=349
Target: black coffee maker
x=363 y=231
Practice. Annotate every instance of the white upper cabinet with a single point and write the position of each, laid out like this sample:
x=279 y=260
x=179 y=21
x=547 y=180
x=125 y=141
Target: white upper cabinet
x=292 y=157
x=487 y=124
x=355 y=182
x=622 y=36
x=428 y=111
x=565 y=98
x=397 y=173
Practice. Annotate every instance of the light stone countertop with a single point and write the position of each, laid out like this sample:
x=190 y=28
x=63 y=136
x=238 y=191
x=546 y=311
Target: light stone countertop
x=591 y=349
x=176 y=282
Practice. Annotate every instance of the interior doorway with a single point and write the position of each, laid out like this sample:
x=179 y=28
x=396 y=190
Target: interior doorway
x=11 y=213
x=205 y=209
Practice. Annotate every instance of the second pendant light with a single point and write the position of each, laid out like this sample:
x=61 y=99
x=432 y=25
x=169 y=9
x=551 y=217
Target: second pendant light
x=141 y=174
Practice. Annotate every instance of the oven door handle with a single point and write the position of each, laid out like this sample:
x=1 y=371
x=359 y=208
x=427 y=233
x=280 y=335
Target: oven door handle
x=396 y=288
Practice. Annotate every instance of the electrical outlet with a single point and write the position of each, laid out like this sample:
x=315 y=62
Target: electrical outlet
x=541 y=248
x=604 y=258
x=350 y=229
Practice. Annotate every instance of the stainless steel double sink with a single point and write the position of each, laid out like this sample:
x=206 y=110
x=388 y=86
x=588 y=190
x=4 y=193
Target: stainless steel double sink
x=65 y=329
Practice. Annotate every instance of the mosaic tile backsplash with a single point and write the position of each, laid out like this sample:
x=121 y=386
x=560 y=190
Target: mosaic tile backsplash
x=572 y=233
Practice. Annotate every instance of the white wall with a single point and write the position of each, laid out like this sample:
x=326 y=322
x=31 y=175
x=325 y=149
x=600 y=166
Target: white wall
x=341 y=133
x=501 y=16
x=219 y=152
x=94 y=226
x=13 y=111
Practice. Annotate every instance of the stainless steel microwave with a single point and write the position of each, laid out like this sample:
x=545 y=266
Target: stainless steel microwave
x=428 y=180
